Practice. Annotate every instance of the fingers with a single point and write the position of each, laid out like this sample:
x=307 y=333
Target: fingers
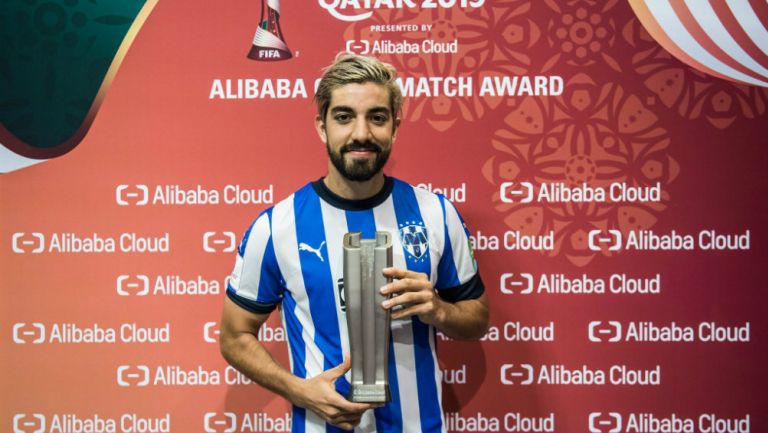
x=407 y=298
x=344 y=420
x=406 y=285
x=404 y=273
x=335 y=403
x=346 y=417
x=411 y=311
x=338 y=411
x=345 y=414
x=321 y=397
x=346 y=425
x=346 y=406
x=414 y=294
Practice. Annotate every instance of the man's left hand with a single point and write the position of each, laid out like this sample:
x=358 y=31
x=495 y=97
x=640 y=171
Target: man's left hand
x=415 y=293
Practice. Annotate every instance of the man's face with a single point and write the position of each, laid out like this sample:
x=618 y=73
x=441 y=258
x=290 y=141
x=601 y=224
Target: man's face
x=358 y=130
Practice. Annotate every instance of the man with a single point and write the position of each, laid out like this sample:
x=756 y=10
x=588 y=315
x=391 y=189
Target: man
x=292 y=256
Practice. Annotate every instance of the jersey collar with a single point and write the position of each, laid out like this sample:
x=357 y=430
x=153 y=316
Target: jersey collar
x=343 y=203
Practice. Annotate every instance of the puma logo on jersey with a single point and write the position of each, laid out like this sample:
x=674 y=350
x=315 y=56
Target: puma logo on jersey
x=316 y=251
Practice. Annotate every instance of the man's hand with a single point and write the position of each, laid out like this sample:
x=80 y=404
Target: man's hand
x=416 y=294
x=319 y=395
x=464 y=320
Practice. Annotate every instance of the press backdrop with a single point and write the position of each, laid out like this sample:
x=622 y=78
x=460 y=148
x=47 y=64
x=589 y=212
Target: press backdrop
x=614 y=194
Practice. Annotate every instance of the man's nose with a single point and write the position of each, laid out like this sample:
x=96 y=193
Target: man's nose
x=361 y=131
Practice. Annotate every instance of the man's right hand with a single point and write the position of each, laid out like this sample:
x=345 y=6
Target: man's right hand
x=319 y=395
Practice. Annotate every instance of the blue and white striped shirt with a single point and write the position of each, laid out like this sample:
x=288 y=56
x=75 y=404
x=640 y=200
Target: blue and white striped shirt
x=293 y=254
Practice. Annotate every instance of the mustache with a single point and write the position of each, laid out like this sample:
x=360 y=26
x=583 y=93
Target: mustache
x=361 y=145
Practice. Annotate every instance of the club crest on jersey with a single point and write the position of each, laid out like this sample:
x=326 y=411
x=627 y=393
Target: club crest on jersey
x=414 y=237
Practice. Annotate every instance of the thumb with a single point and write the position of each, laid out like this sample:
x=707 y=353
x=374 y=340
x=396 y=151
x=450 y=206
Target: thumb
x=340 y=369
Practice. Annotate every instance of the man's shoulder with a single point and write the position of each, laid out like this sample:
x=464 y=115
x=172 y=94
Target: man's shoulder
x=286 y=201
x=289 y=199
x=423 y=195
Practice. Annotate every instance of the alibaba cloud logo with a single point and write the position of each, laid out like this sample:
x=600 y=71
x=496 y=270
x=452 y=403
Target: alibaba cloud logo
x=33 y=423
x=225 y=422
x=219 y=242
x=128 y=285
x=33 y=333
x=510 y=282
x=211 y=332
x=28 y=243
x=599 y=332
x=363 y=47
x=126 y=195
x=608 y=423
x=598 y=240
x=522 y=374
x=132 y=376
x=511 y=192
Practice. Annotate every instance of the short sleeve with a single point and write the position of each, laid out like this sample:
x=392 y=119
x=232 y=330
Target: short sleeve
x=256 y=283
x=457 y=276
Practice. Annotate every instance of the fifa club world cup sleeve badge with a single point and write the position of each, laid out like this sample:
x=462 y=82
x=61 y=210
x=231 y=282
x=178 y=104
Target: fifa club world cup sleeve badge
x=268 y=42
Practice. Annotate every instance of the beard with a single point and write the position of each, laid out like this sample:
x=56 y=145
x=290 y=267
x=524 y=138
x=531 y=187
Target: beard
x=358 y=170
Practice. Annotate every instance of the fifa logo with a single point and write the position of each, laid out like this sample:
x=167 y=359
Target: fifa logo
x=268 y=42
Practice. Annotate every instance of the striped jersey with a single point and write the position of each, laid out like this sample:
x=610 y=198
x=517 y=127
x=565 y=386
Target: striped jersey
x=292 y=254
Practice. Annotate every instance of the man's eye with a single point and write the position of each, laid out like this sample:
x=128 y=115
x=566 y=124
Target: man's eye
x=342 y=117
x=379 y=119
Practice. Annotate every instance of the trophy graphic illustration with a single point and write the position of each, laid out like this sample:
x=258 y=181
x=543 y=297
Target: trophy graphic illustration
x=268 y=42
x=367 y=321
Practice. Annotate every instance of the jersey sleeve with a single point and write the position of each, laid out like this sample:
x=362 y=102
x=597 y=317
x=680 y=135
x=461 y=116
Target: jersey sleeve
x=457 y=276
x=256 y=283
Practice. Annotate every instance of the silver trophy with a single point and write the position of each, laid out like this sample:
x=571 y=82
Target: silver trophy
x=367 y=321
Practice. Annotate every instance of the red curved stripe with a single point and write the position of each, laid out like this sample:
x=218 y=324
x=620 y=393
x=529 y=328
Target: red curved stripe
x=739 y=34
x=701 y=36
x=761 y=10
x=660 y=35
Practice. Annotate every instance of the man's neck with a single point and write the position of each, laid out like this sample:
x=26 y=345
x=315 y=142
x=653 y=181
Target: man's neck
x=352 y=190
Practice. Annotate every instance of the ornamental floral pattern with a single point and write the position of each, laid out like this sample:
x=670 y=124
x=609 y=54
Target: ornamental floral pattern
x=582 y=33
x=692 y=94
x=604 y=128
x=493 y=41
x=594 y=135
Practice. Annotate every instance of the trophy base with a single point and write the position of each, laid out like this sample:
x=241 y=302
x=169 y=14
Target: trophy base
x=268 y=54
x=369 y=393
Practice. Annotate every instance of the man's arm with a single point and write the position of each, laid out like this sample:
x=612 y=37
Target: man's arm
x=464 y=320
x=241 y=348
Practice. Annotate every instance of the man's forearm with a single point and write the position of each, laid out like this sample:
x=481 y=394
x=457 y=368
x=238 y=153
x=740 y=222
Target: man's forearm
x=244 y=352
x=463 y=320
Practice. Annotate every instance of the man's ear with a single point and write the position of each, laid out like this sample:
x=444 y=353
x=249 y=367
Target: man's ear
x=395 y=128
x=320 y=127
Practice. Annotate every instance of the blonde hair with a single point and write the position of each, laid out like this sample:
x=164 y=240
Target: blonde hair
x=350 y=68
